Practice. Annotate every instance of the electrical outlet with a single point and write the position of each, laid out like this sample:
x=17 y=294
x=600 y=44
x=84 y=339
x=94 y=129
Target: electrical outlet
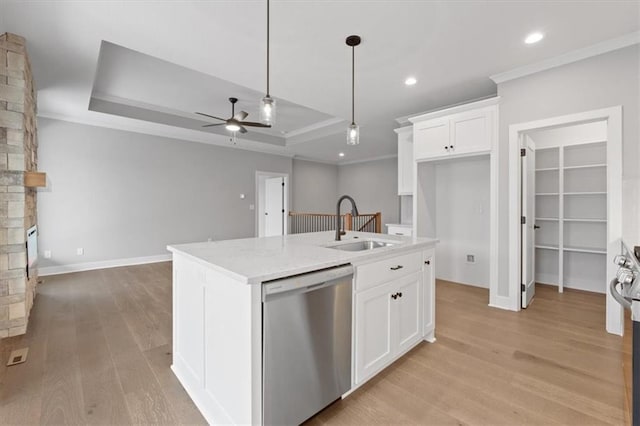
x=47 y=254
x=471 y=258
x=79 y=251
x=252 y=207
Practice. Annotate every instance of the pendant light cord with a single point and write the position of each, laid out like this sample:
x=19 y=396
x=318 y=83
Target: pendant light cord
x=353 y=84
x=268 y=47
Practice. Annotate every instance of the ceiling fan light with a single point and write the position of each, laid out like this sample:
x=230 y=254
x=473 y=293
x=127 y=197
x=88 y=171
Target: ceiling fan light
x=353 y=134
x=232 y=127
x=268 y=110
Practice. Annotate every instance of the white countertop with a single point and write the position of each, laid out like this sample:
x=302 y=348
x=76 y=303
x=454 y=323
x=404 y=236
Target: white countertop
x=255 y=260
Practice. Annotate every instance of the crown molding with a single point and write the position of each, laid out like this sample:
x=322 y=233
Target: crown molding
x=484 y=103
x=315 y=160
x=313 y=127
x=368 y=160
x=567 y=58
x=405 y=120
x=166 y=131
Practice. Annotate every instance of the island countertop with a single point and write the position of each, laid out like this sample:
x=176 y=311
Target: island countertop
x=255 y=260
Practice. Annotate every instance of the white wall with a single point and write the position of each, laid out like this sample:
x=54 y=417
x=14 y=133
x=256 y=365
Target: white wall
x=124 y=195
x=599 y=82
x=374 y=187
x=315 y=187
x=462 y=220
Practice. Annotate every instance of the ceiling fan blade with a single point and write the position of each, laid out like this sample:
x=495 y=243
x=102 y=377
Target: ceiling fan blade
x=241 y=115
x=243 y=130
x=213 y=125
x=254 y=124
x=211 y=116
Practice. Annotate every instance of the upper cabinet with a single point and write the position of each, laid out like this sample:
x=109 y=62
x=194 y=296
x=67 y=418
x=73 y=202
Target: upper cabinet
x=463 y=130
x=405 y=160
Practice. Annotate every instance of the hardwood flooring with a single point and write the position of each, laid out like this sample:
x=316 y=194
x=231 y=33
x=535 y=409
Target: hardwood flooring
x=100 y=350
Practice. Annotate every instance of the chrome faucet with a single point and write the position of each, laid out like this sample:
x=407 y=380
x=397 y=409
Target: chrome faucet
x=354 y=212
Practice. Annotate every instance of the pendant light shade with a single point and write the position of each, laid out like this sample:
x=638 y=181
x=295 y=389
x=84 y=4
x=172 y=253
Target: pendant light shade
x=268 y=104
x=353 y=132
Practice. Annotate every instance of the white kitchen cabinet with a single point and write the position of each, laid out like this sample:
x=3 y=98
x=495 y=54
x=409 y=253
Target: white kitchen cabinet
x=431 y=139
x=408 y=311
x=405 y=160
x=470 y=132
x=398 y=229
x=374 y=347
x=462 y=133
x=429 y=283
x=388 y=323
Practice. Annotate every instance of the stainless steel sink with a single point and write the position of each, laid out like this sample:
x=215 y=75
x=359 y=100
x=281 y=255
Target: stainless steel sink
x=362 y=245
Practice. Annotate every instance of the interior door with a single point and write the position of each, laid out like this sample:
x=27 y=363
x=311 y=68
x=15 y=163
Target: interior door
x=528 y=208
x=274 y=207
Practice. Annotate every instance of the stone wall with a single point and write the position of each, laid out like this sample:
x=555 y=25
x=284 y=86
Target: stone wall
x=18 y=153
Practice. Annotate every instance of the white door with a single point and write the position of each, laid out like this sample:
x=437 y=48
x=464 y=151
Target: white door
x=409 y=310
x=528 y=208
x=375 y=322
x=274 y=207
x=431 y=139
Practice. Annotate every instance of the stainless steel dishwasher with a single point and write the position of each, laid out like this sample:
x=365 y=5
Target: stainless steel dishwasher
x=306 y=354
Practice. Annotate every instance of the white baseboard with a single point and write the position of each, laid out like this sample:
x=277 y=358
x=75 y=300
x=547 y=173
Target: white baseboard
x=103 y=264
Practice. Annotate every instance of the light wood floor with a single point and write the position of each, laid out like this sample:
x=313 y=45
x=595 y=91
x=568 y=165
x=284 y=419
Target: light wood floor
x=100 y=350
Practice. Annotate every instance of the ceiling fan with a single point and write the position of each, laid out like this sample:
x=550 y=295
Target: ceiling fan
x=236 y=122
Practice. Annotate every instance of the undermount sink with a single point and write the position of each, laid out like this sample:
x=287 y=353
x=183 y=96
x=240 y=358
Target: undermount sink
x=362 y=245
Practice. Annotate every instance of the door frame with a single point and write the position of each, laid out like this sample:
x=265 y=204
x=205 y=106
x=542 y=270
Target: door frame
x=613 y=116
x=260 y=175
x=530 y=221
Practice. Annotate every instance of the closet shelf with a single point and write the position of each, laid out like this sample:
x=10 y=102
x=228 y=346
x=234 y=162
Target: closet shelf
x=594 y=250
x=547 y=193
x=566 y=219
x=547 y=247
x=586 y=193
x=548 y=219
x=548 y=169
x=585 y=166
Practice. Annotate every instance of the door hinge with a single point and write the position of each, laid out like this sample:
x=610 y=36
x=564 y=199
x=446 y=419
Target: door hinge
x=523 y=220
x=523 y=152
x=523 y=287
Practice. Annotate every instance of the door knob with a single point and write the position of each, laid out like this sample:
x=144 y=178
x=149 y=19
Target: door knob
x=428 y=262
x=536 y=227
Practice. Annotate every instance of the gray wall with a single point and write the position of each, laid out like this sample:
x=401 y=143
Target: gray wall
x=314 y=186
x=374 y=186
x=120 y=195
x=603 y=81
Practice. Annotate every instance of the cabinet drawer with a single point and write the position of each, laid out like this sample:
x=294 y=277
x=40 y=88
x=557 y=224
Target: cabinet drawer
x=399 y=230
x=372 y=274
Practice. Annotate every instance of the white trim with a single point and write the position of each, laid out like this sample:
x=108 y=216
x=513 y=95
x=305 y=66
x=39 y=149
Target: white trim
x=403 y=129
x=451 y=108
x=102 y=264
x=368 y=160
x=313 y=160
x=567 y=58
x=169 y=132
x=613 y=115
x=455 y=109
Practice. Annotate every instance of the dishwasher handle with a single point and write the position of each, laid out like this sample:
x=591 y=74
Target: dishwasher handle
x=307 y=282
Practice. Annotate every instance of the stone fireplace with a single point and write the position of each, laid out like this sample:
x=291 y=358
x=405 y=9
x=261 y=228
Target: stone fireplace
x=18 y=182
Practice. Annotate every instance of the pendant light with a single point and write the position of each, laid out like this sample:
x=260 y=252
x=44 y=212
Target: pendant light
x=353 y=132
x=268 y=104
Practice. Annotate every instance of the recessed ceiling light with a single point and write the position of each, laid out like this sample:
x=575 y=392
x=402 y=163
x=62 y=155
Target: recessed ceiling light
x=534 y=38
x=341 y=154
x=410 y=81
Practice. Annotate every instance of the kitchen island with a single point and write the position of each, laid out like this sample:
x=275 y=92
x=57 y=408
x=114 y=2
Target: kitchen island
x=218 y=309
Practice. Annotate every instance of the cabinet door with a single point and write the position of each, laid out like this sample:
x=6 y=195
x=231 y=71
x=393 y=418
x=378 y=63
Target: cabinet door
x=429 y=291
x=470 y=132
x=431 y=139
x=408 y=310
x=374 y=325
x=405 y=163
